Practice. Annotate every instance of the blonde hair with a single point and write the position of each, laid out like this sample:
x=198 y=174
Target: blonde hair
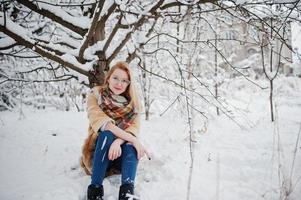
x=131 y=91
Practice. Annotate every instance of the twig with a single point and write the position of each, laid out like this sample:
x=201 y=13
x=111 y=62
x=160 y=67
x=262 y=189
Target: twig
x=294 y=158
x=169 y=106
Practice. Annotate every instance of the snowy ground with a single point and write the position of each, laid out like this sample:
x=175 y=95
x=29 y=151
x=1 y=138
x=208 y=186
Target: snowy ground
x=39 y=153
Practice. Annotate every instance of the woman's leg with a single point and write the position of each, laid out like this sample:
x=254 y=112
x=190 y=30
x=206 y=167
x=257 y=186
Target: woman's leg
x=100 y=158
x=129 y=164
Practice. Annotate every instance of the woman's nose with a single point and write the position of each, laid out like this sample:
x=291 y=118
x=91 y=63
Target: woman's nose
x=119 y=82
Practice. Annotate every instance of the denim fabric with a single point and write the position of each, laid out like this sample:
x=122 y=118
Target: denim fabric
x=127 y=162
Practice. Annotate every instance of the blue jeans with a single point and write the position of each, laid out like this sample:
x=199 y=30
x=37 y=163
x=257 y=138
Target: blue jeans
x=127 y=162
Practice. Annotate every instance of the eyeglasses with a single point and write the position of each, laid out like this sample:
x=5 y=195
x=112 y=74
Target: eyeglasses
x=122 y=81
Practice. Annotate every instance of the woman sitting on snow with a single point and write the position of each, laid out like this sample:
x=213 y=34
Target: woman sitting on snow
x=113 y=112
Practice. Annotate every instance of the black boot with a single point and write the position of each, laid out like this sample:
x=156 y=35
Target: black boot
x=124 y=190
x=95 y=193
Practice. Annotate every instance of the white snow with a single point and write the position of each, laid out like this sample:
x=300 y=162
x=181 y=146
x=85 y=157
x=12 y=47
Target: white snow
x=16 y=29
x=71 y=59
x=39 y=151
x=106 y=7
x=6 y=41
x=116 y=44
x=83 y=22
x=240 y=2
x=90 y=51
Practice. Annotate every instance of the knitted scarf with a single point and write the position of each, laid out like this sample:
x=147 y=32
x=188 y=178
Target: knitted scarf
x=117 y=107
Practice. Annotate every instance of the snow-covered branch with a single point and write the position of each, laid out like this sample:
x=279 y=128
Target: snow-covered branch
x=91 y=31
x=138 y=24
x=13 y=31
x=77 y=25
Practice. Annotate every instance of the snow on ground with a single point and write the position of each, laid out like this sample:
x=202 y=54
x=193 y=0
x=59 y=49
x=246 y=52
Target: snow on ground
x=39 y=152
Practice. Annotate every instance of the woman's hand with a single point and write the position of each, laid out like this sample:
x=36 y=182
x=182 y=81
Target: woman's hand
x=121 y=134
x=141 y=151
x=115 y=149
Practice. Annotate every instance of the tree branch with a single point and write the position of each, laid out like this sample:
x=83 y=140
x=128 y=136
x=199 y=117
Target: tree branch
x=178 y=3
x=91 y=31
x=52 y=16
x=42 y=52
x=135 y=27
x=113 y=33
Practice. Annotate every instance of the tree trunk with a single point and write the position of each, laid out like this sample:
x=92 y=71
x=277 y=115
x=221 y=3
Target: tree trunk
x=97 y=75
x=271 y=100
x=215 y=74
x=147 y=114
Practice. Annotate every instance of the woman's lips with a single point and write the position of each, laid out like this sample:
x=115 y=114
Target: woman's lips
x=117 y=88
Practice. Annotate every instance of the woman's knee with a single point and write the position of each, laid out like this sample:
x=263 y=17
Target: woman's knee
x=107 y=133
x=105 y=138
x=129 y=151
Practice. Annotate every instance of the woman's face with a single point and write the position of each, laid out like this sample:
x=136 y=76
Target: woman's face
x=118 y=81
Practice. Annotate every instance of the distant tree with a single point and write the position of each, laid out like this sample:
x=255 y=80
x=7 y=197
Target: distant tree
x=273 y=58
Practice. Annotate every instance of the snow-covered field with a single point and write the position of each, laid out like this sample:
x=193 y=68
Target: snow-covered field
x=39 y=152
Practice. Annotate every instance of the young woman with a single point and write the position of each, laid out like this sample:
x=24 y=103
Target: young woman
x=113 y=112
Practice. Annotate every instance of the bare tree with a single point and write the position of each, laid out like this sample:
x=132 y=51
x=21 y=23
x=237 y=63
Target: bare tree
x=271 y=48
x=146 y=86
